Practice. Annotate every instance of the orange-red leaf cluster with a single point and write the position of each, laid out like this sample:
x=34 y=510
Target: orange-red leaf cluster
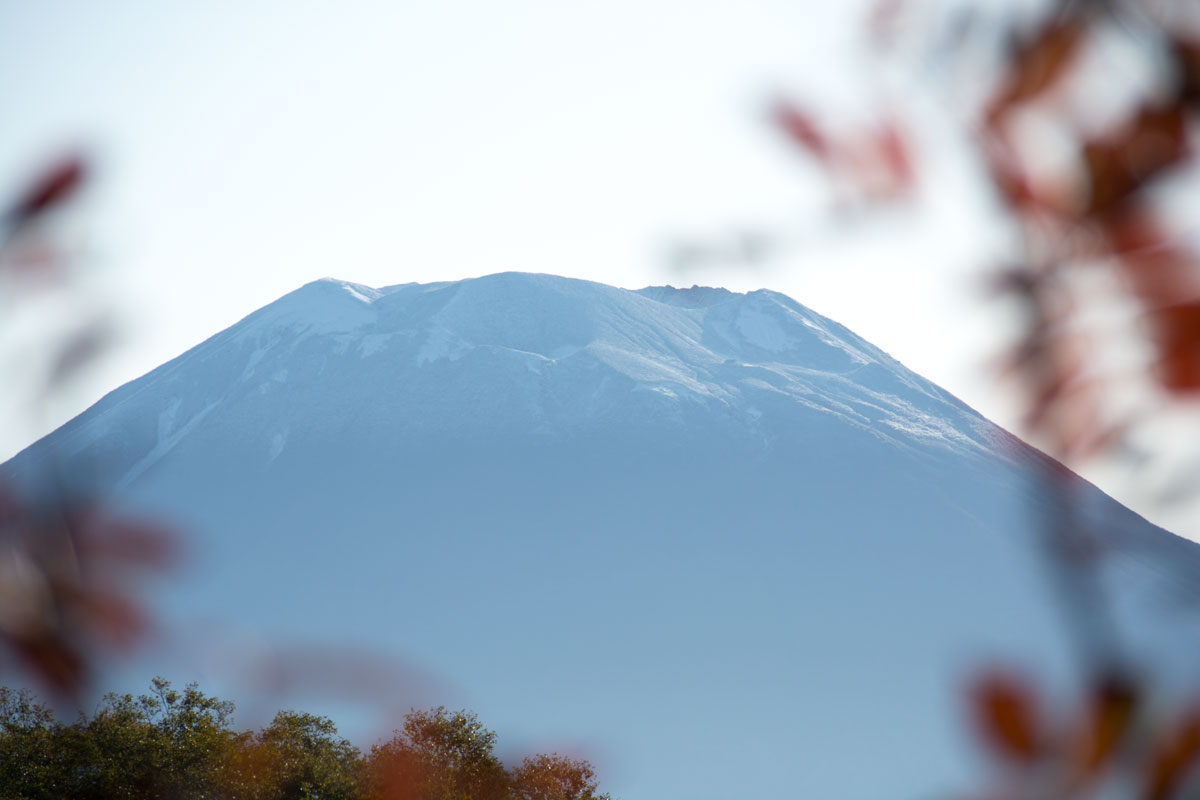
x=875 y=163
x=1006 y=714
x=1086 y=750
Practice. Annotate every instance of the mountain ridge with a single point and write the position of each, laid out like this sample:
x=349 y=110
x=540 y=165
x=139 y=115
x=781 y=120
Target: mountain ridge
x=671 y=521
x=708 y=349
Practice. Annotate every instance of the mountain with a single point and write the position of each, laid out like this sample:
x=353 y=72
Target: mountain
x=716 y=539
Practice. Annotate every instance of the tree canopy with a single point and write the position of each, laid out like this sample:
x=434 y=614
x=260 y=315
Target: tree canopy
x=171 y=744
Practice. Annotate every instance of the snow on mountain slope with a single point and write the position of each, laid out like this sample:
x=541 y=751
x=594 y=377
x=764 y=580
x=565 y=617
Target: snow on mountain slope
x=740 y=550
x=652 y=357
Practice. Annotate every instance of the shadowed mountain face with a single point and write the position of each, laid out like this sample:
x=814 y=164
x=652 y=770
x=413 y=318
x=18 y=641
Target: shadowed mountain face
x=717 y=538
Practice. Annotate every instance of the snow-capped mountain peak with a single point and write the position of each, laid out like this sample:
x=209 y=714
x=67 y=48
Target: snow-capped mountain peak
x=736 y=545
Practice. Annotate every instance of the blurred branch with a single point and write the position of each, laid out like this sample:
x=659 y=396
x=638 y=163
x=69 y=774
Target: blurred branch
x=1097 y=210
x=68 y=567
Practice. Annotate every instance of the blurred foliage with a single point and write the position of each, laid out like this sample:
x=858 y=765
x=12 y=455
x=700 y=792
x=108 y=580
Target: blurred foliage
x=69 y=568
x=1084 y=124
x=181 y=745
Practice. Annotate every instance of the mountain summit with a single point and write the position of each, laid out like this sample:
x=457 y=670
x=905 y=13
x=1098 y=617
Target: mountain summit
x=733 y=547
x=535 y=358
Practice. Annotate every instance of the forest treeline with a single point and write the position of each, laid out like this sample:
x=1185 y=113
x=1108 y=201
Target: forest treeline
x=172 y=744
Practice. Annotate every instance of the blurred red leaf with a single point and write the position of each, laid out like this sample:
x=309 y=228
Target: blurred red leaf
x=877 y=163
x=77 y=562
x=1006 y=713
x=1186 y=54
x=114 y=618
x=1172 y=757
x=1108 y=717
x=1160 y=272
x=50 y=188
x=128 y=542
x=1118 y=165
x=1177 y=336
x=800 y=127
x=55 y=661
x=1038 y=63
x=896 y=154
x=1010 y=180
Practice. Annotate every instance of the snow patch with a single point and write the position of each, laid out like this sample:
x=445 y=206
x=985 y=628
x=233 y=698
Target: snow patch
x=277 y=378
x=166 y=418
x=252 y=362
x=354 y=291
x=763 y=331
x=321 y=307
x=278 y=441
x=566 y=351
x=167 y=440
x=442 y=343
x=372 y=343
x=645 y=369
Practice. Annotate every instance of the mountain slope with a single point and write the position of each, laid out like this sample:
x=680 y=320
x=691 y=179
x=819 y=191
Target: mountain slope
x=740 y=550
x=570 y=355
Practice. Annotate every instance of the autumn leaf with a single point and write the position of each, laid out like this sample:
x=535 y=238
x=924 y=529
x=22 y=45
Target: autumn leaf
x=1005 y=711
x=50 y=188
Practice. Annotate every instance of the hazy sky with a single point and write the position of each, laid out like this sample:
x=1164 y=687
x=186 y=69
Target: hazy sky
x=245 y=148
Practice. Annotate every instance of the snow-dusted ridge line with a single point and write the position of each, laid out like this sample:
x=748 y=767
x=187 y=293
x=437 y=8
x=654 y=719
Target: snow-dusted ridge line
x=689 y=347
x=686 y=344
